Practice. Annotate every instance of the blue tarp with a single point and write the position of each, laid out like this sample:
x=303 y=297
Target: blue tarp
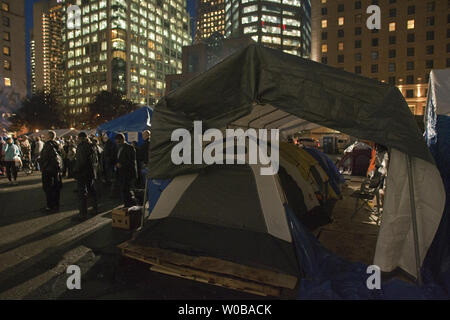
x=330 y=169
x=136 y=121
x=326 y=276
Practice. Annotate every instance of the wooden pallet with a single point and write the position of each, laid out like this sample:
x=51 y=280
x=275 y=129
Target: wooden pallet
x=211 y=270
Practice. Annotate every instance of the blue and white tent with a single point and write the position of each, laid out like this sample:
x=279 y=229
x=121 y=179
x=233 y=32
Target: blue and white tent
x=131 y=124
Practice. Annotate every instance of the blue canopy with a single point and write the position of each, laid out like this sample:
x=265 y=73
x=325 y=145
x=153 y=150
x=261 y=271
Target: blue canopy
x=135 y=121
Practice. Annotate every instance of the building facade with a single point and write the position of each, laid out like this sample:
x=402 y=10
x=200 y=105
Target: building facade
x=414 y=38
x=280 y=24
x=46 y=50
x=210 y=19
x=121 y=45
x=13 y=73
x=204 y=55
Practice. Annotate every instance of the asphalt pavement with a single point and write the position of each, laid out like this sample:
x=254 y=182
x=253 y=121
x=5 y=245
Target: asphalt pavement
x=37 y=248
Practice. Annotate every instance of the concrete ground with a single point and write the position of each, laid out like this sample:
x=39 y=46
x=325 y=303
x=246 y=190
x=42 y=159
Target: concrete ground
x=350 y=236
x=36 y=249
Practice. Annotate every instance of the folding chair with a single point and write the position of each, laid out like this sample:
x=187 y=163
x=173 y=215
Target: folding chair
x=369 y=189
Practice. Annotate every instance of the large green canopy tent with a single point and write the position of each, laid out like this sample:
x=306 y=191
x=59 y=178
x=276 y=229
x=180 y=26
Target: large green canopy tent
x=260 y=87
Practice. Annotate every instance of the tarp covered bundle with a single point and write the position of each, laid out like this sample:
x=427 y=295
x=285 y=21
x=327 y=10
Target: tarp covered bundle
x=264 y=88
x=132 y=123
x=437 y=134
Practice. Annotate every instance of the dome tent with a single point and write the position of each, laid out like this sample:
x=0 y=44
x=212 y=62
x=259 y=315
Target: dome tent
x=229 y=212
x=265 y=88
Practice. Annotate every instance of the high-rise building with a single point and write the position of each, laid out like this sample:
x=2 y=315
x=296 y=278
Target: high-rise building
x=33 y=62
x=204 y=55
x=121 y=45
x=13 y=74
x=414 y=38
x=210 y=19
x=280 y=24
x=47 y=68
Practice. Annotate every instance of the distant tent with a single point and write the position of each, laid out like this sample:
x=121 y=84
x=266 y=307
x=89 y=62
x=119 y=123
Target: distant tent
x=132 y=124
x=336 y=179
x=309 y=168
x=265 y=88
x=356 y=162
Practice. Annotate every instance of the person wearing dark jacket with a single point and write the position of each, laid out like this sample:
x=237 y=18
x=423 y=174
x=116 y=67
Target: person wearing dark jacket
x=85 y=169
x=109 y=158
x=51 y=172
x=126 y=169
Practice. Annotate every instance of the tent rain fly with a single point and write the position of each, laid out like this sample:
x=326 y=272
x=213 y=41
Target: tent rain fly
x=264 y=88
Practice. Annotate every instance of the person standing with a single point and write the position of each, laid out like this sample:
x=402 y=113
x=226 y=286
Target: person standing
x=72 y=150
x=2 y=167
x=38 y=146
x=11 y=154
x=109 y=158
x=126 y=169
x=51 y=164
x=26 y=155
x=142 y=157
x=98 y=166
x=86 y=160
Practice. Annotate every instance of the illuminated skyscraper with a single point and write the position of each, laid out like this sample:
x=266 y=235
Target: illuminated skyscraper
x=47 y=69
x=33 y=62
x=210 y=19
x=123 y=45
x=280 y=24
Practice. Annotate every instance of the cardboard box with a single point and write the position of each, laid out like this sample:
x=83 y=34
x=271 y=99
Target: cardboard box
x=126 y=219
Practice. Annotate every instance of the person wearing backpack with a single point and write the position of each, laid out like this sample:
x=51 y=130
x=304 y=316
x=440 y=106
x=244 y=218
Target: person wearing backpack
x=51 y=163
x=11 y=153
x=86 y=162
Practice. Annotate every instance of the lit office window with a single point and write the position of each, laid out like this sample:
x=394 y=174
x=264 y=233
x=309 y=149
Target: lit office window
x=392 y=26
x=324 y=23
x=411 y=24
x=5 y=6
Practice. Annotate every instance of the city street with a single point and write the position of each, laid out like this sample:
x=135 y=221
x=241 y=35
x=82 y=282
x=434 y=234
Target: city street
x=36 y=248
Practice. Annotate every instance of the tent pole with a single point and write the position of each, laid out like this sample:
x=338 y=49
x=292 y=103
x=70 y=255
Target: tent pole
x=414 y=219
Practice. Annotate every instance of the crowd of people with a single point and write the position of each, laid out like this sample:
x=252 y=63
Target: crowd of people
x=92 y=161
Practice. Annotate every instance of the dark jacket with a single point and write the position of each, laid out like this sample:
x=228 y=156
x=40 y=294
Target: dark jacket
x=110 y=153
x=127 y=160
x=48 y=161
x=84 y=168
x=142 y=153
